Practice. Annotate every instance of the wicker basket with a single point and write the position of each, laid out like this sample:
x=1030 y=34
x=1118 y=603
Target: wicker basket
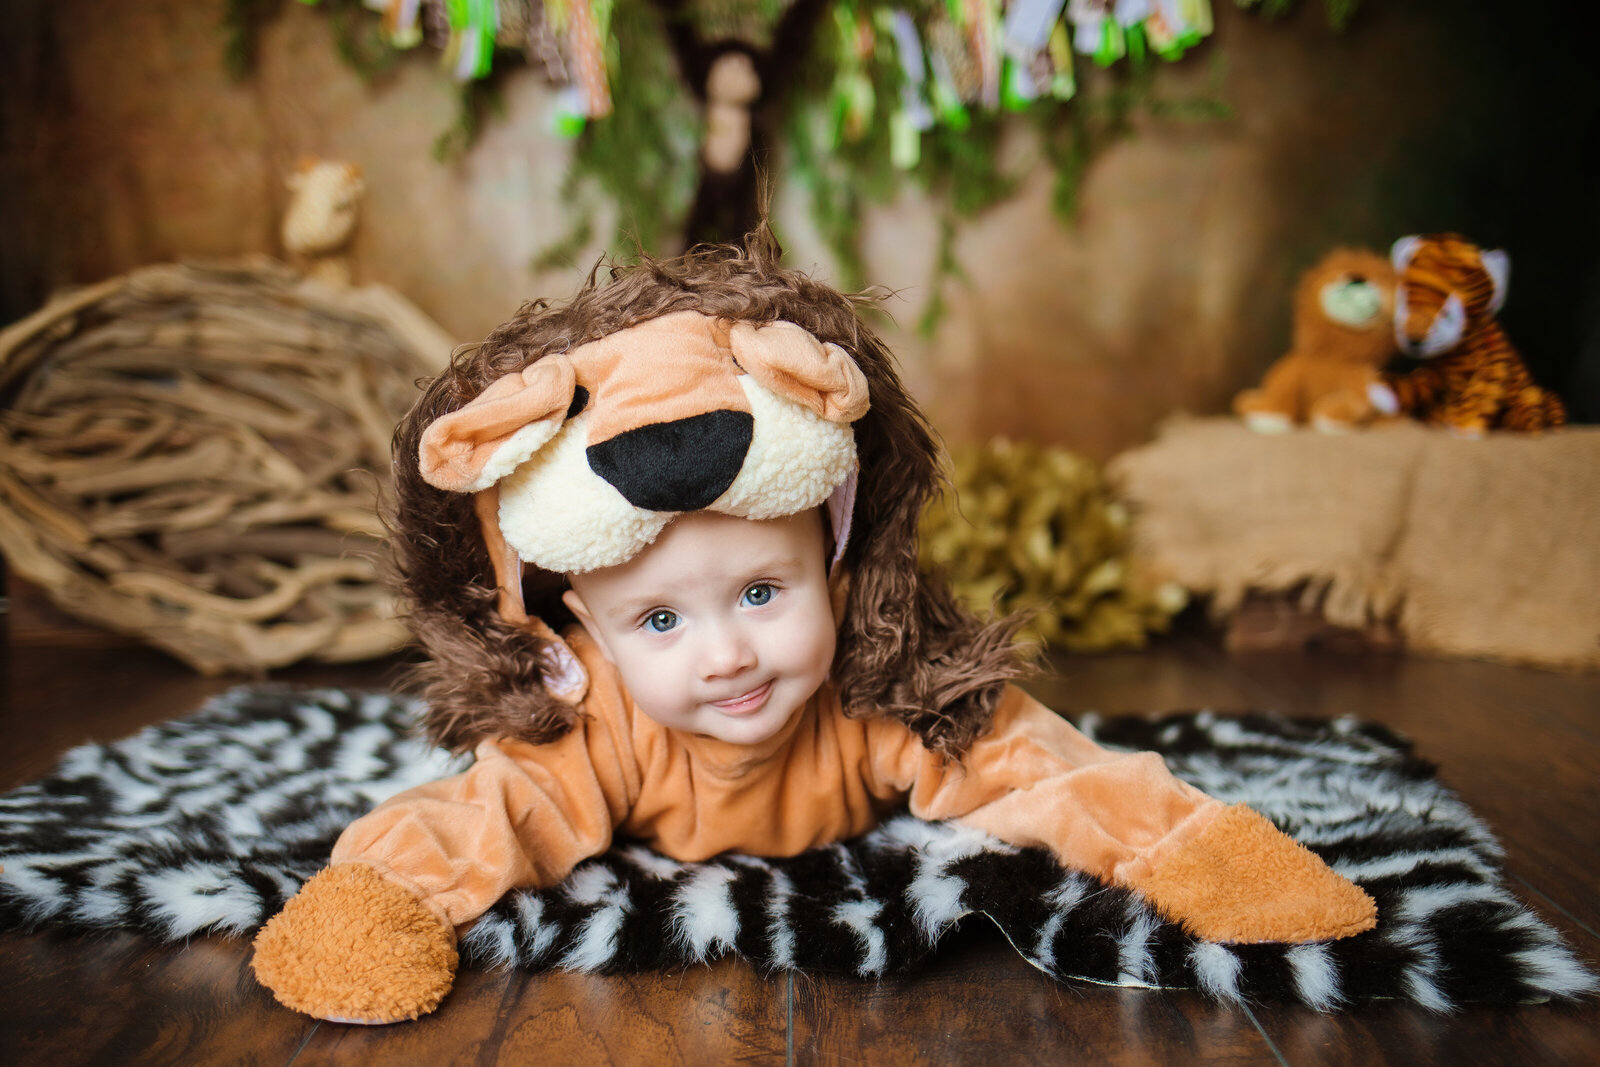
x=193 y=454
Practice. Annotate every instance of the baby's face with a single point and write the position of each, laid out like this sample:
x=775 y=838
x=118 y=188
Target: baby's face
x=722 y=627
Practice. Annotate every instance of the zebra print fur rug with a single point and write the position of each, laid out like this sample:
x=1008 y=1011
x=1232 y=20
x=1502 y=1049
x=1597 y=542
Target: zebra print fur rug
x=209 y=823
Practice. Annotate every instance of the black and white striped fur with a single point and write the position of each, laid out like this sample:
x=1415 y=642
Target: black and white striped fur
x=210 y=823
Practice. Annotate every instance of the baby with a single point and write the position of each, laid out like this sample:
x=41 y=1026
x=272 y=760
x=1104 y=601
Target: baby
x=707 y=473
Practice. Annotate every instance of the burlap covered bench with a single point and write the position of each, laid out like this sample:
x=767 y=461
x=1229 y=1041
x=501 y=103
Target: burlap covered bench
x=1486 y=548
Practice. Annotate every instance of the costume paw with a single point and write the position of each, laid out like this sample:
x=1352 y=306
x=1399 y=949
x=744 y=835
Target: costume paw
x=1244 y=880
x=354 y=947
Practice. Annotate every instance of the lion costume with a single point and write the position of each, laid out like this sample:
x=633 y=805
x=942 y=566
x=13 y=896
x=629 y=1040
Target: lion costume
x=716 y=381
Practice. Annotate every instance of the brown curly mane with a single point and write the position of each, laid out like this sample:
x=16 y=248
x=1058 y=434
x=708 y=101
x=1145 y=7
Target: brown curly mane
x=906 y=649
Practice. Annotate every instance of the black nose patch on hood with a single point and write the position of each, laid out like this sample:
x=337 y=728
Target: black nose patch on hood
x=676 y=466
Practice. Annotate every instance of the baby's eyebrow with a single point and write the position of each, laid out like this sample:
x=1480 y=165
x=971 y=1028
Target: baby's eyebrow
x=628 y=610
x=779 y=565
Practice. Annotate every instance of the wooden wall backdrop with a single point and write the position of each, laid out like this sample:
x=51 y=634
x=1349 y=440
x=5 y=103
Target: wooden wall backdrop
x=125 y=142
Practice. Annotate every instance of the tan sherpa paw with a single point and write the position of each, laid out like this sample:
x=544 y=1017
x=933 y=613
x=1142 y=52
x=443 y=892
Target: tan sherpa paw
x=1244 y=880
x=354 y=947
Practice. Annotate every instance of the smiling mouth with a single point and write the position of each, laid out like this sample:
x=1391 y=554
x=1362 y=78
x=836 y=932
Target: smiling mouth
x=746 y=703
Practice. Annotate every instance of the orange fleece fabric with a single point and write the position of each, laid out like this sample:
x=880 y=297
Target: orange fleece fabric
x=352 y=947
x=524 y=815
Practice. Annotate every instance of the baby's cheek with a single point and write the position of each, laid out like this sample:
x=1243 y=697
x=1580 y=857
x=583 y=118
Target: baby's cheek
x=655 y=689
x=819 y=654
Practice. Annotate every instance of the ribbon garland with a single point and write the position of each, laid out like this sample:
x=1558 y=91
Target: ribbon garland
x=952 y=55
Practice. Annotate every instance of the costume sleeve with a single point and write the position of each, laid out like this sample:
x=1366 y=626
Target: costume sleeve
x=1035 y=780
x=523 y=815
x=1223 y=873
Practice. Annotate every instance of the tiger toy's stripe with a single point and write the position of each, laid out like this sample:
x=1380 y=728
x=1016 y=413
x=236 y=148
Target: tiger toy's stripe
x=1473 y=380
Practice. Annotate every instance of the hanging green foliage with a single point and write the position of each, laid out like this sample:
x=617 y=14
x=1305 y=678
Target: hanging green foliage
x=846 y=122
x=359 y=38
x=642 y=157
x=1340 y=12
x=241 y=23
x=888 y=92
x=476 y=101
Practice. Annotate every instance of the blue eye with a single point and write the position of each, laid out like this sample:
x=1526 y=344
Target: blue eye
x=757 y=595
x=661 y=621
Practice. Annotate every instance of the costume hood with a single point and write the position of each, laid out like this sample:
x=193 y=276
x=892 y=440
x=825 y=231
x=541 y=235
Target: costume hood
x=593 y=452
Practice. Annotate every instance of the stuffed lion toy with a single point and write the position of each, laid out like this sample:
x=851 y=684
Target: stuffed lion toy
x=1343 y=308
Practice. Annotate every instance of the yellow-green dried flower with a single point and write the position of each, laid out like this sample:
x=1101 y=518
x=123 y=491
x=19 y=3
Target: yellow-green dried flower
x=1034 y=529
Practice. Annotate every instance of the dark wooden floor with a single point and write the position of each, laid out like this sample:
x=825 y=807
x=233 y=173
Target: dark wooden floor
x=1522 y=746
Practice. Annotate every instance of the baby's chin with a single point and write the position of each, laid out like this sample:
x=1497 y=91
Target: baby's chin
x=743 y=729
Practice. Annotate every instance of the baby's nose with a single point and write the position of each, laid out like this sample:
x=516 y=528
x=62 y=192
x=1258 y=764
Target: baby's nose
x=682 y=465
x=725 y=652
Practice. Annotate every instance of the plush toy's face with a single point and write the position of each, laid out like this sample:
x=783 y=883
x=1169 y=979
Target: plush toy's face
x=1343 y=309
x=1446 y=284
x=722 y=627
x=594 y=451
x=1353 y=301
x=322 y=213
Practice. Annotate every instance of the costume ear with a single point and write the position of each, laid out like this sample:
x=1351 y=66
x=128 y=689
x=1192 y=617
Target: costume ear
x=475 y=446
x=789 y=361
x=841 y=515
x=1498 y=266
x=563 y=676
x=1402 y=250
x=502 y=557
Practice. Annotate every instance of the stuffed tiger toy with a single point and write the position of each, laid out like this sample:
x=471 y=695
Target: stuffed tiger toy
x=1473 y=380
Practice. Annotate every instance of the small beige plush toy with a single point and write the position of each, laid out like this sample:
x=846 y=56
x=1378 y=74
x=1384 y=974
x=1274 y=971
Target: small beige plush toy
x=1343 y=310
x=321 y=217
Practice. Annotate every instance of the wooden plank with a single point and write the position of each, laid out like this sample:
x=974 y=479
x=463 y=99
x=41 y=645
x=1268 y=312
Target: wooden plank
x=721 y=1013
x=120 y=998
x=1399 y=1034
x=1179 y=674
x=979 y=1002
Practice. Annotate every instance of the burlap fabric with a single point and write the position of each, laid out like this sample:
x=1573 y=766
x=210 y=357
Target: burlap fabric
x=1484 y=548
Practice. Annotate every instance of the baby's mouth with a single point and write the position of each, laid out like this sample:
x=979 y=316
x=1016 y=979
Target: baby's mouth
x=745 y=703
